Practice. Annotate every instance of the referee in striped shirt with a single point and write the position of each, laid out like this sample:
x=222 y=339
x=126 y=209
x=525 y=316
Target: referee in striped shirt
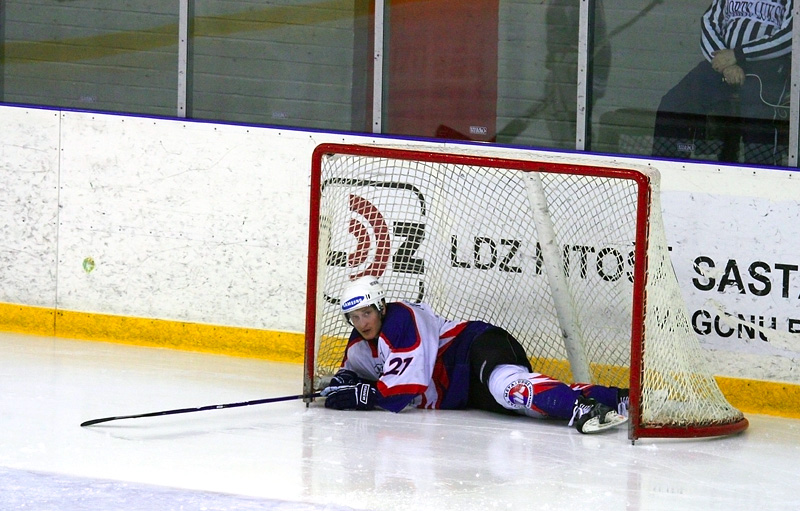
x=743 y=84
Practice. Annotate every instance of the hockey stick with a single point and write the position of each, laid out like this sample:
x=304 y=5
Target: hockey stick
x=201 y=408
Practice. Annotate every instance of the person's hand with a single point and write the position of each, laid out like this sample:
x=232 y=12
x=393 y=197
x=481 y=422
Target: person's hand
x=722 y=60
x=361 y=396
x=733 y=75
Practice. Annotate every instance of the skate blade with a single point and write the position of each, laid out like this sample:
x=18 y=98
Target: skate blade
x=593 y=425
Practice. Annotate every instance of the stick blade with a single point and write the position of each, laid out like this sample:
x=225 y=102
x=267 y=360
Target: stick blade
x=97 y=421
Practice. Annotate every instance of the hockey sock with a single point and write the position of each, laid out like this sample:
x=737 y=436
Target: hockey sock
x=532 y=394
x=608 y=396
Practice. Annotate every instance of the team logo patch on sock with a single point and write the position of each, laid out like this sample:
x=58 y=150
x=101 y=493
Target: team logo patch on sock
x=519 y=393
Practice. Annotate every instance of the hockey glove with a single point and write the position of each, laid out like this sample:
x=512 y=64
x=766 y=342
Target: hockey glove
x=360 y=396
x=344 y=377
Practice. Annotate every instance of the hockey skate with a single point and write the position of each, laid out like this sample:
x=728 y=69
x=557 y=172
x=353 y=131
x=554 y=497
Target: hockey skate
x=589 y=416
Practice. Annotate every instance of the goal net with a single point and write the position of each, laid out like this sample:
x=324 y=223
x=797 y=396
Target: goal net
x=571 y=259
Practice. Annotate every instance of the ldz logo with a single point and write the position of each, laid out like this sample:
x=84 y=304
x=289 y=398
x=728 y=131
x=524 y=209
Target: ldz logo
x=373 y=245
x=387 y=222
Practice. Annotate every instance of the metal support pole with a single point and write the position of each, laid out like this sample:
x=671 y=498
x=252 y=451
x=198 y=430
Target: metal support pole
x=794 y=105
x=583 y=92
x=183 y=54
x=377 y=70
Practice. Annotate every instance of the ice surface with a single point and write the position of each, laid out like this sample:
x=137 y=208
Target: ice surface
x=286 y=456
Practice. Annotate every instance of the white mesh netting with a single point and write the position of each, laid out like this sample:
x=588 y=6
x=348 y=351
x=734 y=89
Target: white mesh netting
x=473 y=241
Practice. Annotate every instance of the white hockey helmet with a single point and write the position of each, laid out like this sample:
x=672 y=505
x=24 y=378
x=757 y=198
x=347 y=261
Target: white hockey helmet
x=362 y=292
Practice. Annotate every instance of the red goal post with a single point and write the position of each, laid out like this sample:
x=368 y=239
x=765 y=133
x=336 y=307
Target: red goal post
x=571 y=259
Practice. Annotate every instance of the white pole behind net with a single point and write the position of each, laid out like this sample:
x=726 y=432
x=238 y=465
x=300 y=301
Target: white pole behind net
x=554 y=268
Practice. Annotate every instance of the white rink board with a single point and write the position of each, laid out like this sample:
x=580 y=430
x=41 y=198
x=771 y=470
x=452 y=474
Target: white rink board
x=28 y=206
x=739 y=256
x=184 y=221
x=207 y=223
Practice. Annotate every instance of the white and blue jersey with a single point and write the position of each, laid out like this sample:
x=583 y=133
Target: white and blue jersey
x=420 y=358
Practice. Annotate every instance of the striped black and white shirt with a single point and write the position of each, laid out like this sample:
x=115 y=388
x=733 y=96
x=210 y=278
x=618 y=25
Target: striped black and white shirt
x=754 y=29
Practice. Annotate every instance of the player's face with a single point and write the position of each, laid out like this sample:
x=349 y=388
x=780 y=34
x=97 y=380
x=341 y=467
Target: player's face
x=367 y=321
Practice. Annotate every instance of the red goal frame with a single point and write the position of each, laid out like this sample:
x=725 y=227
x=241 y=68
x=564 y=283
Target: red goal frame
x=638 y=343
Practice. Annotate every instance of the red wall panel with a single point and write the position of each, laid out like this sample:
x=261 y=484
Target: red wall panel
x=442 y=68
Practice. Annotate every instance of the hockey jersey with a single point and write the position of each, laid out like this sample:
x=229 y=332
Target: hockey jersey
x=419 y=359
x=754 y=29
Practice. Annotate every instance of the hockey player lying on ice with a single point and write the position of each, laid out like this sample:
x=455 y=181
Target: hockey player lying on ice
x=402 y=354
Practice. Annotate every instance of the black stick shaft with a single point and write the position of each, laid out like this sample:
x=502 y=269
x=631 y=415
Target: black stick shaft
x=201 y=408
